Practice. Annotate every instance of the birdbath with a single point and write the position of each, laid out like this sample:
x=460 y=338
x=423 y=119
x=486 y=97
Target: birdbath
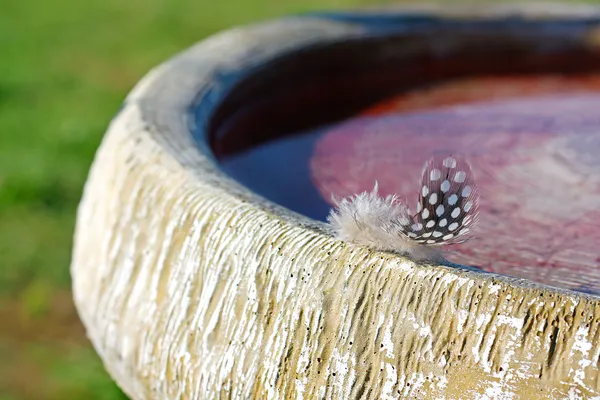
x=203 y=266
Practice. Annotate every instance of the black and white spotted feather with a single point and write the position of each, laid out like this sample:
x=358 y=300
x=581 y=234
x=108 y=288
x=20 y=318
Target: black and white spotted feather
x=446 y=210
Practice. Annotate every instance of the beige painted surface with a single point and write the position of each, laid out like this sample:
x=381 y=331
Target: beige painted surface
x=191 y=287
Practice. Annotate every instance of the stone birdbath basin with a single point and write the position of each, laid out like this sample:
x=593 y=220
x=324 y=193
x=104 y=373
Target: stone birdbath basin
x=203 y=266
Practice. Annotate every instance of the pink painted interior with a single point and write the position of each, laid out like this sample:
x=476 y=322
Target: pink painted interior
x=534 y=145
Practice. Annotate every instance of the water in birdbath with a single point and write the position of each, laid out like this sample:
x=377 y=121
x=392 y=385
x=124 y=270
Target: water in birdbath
x=533 y=143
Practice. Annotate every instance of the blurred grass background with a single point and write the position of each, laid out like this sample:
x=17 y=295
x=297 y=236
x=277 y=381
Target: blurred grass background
x=65 y=67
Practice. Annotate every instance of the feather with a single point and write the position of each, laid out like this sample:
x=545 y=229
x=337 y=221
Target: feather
x=447 y=209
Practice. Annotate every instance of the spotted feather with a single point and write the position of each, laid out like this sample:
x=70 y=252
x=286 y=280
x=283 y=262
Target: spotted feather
x=447 y=204
x=446 y=210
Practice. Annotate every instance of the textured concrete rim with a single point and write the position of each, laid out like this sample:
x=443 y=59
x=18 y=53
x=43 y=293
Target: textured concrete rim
x=162 y=235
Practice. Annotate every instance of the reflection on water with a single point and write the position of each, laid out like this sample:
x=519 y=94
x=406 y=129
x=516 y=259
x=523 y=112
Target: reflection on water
x=534 y=145
x=279 y=171
x=540 y=184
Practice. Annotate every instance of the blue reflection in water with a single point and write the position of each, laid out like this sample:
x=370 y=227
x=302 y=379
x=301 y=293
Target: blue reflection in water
x=279 y=171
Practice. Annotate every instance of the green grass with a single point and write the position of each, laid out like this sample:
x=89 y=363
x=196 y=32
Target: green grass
x=65 y=67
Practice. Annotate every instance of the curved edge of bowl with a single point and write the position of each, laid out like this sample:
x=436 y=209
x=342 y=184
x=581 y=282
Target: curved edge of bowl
x=191 y=286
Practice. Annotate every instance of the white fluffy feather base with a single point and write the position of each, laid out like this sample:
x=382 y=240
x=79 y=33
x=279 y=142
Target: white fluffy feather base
x=371 y=220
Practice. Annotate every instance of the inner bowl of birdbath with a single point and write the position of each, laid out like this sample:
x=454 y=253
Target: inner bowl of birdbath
x=518 y=97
